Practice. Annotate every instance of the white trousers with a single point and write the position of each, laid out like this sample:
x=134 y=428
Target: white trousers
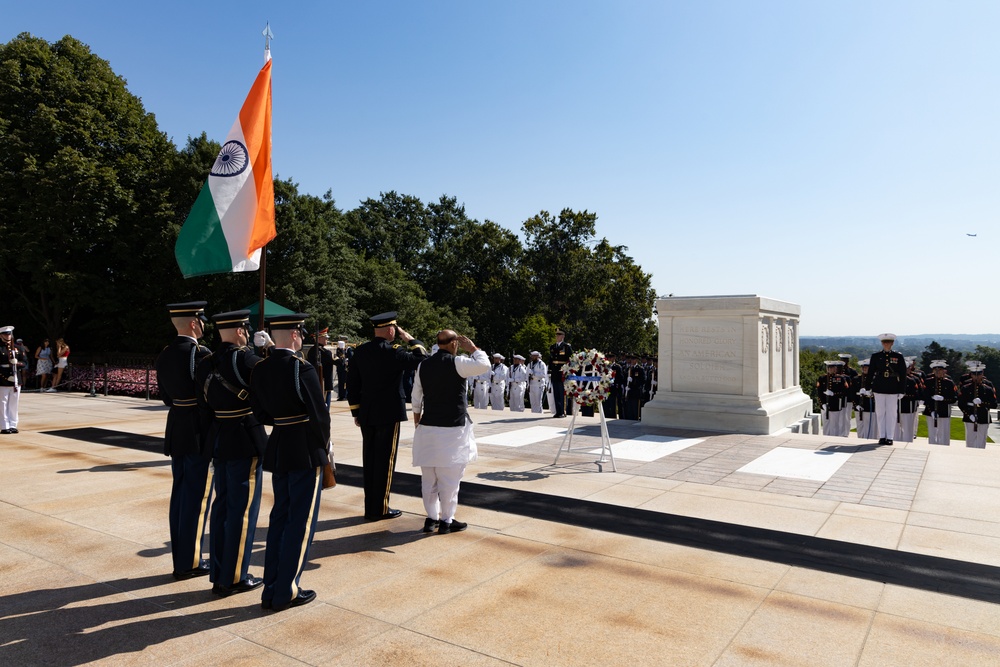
x=439 y=488
x=907 y=426
x=976 y=437
x=517 y=396
x=9 y=398
x=496 y=395
x=838 y=423
x=535 y=395
x=886 y=410
x=940 y=434
x=866 y=422
x=480 y=396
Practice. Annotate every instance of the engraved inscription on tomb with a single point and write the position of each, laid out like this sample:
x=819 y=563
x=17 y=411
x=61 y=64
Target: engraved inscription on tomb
x=708 y=355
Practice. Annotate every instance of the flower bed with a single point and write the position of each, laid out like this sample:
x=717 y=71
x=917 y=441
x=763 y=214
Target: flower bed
x=114 y=381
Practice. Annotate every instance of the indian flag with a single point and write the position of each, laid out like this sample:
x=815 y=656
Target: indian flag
x=233 y=217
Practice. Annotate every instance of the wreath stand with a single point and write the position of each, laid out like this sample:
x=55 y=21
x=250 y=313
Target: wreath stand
x=606 y=453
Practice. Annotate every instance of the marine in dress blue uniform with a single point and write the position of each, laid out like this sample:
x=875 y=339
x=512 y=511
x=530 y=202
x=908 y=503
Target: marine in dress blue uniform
x=322 y=358
x=285 y=393
x=975 y=398
x=378 y=403
x=237 y=440
x=886 y=381
x=940 y=392
x=185 y=440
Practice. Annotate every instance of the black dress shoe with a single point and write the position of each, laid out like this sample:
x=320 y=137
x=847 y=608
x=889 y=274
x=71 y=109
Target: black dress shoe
x=265 y=604
x=888 y=441
x=304 y=597
x=6 y=431
x=248 y=584
x=200 y=571
x=14 y=430
x=391 y=514
x=452 y=527
x=430 y=525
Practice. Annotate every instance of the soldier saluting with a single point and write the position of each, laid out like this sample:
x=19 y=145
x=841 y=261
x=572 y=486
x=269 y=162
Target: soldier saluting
x=886 y=381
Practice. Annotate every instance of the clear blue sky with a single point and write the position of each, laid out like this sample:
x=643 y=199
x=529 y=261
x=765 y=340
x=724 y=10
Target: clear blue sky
x=831 y=154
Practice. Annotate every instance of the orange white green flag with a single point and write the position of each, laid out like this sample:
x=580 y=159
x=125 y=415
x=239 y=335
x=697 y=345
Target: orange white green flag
x=233 y=217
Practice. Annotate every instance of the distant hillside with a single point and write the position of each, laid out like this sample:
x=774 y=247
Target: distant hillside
x=908 y=345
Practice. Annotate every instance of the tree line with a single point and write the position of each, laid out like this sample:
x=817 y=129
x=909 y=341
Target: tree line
x=93 y=195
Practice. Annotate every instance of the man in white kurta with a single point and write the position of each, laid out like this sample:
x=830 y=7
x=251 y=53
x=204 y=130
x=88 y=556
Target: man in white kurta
x=443 y=443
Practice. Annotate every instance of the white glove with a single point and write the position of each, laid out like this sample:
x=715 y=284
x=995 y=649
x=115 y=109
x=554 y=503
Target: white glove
x=828 y=392
x=262 y=339
x=977 y=401
x=938 y=397
x=972 y=418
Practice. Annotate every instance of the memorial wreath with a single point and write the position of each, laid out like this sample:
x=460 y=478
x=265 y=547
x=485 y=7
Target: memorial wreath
x=588 y=377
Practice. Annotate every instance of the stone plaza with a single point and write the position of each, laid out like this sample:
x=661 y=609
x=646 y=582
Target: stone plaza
x=702 y=549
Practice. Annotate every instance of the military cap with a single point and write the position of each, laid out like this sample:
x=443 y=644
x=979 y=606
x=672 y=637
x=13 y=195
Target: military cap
x=939 y=363
x=383 y=319
x=887 y=336
x=536 y=353
x=560 y=331
x=188 y=309
x=323 y=332
x=909 y=360
x=292 y=321
x=6 y=330
x=833 y=363
x=844 y=355
x=497 y=355
x=864 y=362
x=234 y=319
x=517 y=356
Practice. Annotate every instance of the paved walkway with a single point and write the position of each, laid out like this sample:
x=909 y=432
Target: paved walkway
x=85 y=564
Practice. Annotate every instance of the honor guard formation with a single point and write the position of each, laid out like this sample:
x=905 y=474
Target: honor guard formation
x=885 y=398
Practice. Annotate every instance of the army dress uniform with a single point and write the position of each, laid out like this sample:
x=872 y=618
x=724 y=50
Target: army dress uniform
x=559 y=356
x=375 y=394
x=285 y=393
x=322 y=359
x=237 y=440
x=186 y=444
x=939 y=395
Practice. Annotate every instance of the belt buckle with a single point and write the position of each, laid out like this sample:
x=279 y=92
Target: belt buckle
x=243 y=395
x=886 y=374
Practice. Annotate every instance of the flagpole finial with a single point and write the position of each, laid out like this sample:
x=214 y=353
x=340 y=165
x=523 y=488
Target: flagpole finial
x=268 y=36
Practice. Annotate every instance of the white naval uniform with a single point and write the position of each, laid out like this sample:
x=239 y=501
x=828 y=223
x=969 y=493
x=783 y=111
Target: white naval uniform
x=539 y=373
x=498 y=386
x=442 y=452
x=518 y=381
x=10 y=397
x=481 y=390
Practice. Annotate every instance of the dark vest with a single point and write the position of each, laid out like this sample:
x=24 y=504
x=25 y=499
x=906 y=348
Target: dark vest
x=445 y=402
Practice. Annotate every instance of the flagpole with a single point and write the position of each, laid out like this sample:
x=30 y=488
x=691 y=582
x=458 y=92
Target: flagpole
x=268 y=36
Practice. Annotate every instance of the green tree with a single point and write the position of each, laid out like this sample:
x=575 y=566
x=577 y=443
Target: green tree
x=535 y=334
x=83 y=170
x=587 y=285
